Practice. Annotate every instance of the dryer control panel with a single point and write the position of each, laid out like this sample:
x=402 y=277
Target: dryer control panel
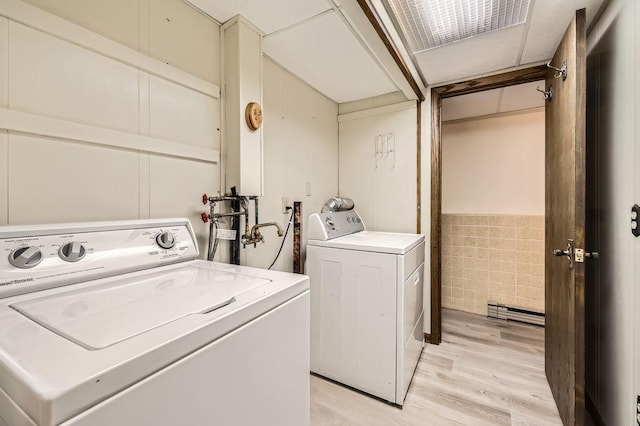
x=39 y=257
x=330 y=225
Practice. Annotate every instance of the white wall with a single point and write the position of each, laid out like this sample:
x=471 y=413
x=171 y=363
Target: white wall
x=619 y=153
x=383 y=189
x=636 y=132
x=494 y=165
x=158 y=28
x=300 y=147
x=386 y=197
x=97 y=128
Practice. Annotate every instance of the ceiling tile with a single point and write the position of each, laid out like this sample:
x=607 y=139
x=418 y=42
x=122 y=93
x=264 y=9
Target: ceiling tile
x=268 y=15
x=548 y=24
x=325 y=53
x=472 y=105
x=522 y=96
x=482 y=54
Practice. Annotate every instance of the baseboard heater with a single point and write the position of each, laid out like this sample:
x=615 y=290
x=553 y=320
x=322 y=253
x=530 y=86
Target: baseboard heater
x=514 y=313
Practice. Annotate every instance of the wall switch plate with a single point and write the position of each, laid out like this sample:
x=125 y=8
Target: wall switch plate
x=308 y=189
x=286 y=204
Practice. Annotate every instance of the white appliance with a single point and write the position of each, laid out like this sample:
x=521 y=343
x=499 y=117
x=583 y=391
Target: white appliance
x=118 y=323
x=366 y=304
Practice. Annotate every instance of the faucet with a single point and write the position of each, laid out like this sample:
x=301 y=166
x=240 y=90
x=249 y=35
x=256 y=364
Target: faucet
x=254 y=236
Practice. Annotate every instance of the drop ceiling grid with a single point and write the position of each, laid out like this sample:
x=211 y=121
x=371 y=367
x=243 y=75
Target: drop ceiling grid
x=326 y=54
x=482 y=54
x=472 y=105
x=507 y=99
x=548 y=24
x=522 y=96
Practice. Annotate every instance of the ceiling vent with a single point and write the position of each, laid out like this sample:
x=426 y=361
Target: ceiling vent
x=427 y=24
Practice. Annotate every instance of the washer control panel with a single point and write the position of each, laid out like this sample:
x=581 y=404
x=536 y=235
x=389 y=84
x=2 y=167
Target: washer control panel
x=39 y=257
x=330 y=225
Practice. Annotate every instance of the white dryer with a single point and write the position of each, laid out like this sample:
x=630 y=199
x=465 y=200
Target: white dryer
x=366 y=304
x=119 y=324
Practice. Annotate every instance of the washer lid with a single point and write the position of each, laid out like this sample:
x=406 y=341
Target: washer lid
x=98 y=317
x=379 y=242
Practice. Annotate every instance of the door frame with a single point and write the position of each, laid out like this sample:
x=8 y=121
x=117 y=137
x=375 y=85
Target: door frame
x=524 y=75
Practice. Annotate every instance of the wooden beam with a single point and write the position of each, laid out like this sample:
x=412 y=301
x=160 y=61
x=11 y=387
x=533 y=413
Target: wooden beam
x=419 y=168
x=480 y=84
x=436 y=217
x=371 y=16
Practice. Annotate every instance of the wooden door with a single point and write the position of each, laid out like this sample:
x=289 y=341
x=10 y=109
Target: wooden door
x=565 y=220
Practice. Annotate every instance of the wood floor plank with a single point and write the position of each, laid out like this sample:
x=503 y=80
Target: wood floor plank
x=485 y=372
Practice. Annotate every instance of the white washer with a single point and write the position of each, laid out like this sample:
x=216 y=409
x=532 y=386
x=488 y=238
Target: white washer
x=366 y=304
x=117 y=323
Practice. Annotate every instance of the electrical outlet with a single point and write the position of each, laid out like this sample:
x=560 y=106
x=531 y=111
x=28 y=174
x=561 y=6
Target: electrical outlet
x=286 y=204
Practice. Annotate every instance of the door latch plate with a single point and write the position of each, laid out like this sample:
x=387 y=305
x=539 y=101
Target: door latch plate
x=579 y=255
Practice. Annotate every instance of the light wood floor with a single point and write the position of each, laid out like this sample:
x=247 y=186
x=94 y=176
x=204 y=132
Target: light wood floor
x=485 y=372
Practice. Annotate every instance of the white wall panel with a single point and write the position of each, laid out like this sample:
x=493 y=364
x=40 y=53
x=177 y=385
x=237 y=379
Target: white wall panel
x=385 y=196
x=4 y=96
x=54 y=181
x=300 y=146
x=636 y=272
x=494 y=165
x=612 y=48
x=183 y=115
x=4 y=165
x=4 y=62
x=176 y=188
x=174 y=27
x=115 y=19
x=58 y=79
x=243 y=84
x=144 y=185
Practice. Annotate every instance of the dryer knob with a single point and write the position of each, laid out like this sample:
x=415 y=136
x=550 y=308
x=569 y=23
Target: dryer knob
x=72 y=252
x=166 y=240
x=25 y=257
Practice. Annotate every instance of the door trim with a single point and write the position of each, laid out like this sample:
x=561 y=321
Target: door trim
x=525 y=75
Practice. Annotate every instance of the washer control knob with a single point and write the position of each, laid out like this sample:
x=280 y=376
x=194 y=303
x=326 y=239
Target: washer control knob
x=72 y=252
x=330 y=223
x=166 y=240
x=25 y=257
